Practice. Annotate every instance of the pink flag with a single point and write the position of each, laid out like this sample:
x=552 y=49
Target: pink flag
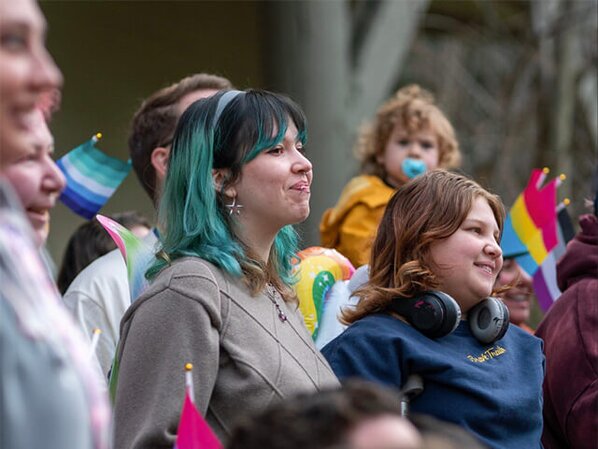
x=194 y=432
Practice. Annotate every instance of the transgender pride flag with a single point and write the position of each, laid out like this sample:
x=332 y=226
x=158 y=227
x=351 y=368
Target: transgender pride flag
x=91 y=177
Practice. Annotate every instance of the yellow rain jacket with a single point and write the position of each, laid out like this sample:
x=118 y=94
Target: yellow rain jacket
x=350 y=226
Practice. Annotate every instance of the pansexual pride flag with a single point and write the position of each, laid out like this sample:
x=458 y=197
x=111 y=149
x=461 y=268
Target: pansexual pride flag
x=530 y=230
x=91 y=177
x=137 y=253
x=193 y=431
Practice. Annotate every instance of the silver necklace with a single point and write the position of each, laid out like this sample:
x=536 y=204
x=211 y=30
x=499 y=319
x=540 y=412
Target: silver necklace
x=271 y=294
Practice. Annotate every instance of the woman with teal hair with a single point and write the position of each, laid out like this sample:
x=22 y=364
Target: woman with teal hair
x=221 y=295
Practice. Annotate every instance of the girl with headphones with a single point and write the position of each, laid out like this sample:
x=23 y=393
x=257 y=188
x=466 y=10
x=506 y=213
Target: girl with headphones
x=427 y=310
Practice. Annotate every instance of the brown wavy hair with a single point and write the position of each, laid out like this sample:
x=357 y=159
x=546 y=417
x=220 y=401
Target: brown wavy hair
x=428 y=208
x=414 y=109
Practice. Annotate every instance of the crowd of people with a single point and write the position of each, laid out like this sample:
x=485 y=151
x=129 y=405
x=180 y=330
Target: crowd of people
x=437 y=352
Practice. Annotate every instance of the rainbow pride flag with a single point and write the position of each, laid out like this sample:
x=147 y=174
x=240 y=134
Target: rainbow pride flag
x=193 y=431
x=530 y=230
x=91 y=177
x=137 y=253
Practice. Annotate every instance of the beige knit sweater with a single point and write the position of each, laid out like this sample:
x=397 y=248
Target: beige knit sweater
x=244 y=356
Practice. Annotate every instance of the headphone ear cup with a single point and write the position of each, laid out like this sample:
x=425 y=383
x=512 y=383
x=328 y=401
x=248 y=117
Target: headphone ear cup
x=435 y=314
x=489 y=320
x=452 y=313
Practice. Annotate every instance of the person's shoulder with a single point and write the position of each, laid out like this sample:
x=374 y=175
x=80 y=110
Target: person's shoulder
x=369 y=190
x=375 y=338
x=195 y=268
x=522 y=339
x=188 y=276
x=109 y=269
x=186 y=284
x=573 y=315
x=375 y=326
x=110 y=264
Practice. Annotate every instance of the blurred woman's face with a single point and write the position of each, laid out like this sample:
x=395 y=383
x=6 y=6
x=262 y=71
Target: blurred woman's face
x=35 y=177
x=26 y=72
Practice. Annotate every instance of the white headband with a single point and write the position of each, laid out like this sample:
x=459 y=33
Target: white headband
x=225 y=99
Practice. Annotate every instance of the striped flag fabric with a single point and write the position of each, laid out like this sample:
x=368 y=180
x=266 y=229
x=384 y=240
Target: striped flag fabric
x=530 y=230
x=536 y=233
x=193 y=431
x=91 y=177
x=544 y=280
x=138 y=255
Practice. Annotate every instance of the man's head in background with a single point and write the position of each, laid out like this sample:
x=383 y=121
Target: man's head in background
x=154 y=124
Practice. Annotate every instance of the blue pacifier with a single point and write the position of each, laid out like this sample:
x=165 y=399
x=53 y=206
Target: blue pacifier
x=413 y=167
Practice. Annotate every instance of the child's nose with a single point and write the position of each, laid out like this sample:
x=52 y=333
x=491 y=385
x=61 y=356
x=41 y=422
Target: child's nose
x=414 y=150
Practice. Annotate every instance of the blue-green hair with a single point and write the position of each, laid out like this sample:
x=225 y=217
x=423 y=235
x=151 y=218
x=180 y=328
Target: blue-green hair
x=192 y=212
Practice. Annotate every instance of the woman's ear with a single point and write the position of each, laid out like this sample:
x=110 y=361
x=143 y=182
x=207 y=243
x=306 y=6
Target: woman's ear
x=220 y=177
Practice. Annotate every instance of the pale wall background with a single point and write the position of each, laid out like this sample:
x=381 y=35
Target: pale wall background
x=113 y=54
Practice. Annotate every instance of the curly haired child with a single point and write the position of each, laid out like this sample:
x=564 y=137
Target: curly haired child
x=409 y=135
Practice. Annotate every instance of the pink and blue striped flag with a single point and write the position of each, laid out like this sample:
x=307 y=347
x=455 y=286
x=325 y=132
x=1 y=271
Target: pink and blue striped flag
x=91 y=177
x=193 y=431
x=137 y=253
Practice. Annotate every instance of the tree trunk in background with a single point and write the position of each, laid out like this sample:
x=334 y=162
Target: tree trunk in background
x=338 y=77
x=562 y=70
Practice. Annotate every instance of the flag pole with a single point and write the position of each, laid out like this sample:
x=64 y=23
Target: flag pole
x=563 y=204
x=189 y=381
x=560 y=179
x=94 y=341
x=542 y=177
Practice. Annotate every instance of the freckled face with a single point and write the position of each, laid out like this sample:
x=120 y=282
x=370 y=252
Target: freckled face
x=421 y=146
x=274 y=187
x=468 y=261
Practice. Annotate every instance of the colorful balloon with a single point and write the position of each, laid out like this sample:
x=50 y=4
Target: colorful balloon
x=318 y=269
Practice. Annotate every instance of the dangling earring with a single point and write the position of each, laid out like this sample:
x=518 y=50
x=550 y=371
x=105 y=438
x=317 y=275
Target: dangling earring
x=234 y=208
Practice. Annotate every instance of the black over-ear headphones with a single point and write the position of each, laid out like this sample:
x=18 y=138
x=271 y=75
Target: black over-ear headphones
x=435 y=314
